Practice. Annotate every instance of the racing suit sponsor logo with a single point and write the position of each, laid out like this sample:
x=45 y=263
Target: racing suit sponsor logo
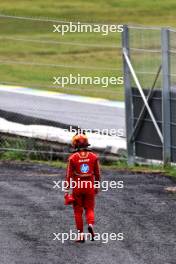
x=84 y=168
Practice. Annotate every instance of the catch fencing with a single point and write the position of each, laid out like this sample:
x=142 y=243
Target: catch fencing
x=149 y=56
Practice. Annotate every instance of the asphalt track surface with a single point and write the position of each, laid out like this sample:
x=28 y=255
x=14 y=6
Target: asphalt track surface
x=31 y=210
x=84 y=115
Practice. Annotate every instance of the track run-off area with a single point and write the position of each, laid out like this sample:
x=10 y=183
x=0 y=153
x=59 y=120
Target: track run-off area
x=31 y=211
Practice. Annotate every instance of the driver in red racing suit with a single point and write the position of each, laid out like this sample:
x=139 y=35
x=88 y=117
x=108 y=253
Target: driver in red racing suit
x=83 y=169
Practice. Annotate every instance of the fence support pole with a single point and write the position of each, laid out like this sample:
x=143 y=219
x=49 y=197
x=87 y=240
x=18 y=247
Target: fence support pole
x=166 y=96
x=128 y=98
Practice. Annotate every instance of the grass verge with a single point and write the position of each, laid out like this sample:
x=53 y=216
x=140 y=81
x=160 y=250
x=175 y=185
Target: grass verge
x=20 y=49
x=169 y=171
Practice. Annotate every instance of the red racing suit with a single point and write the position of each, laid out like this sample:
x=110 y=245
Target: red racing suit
x=82 y=171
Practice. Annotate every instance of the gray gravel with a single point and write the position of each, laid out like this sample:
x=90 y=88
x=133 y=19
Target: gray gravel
x=31 y=211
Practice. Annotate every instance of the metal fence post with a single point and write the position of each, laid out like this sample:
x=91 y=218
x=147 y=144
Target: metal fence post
x=128 y=98
x=166 y=128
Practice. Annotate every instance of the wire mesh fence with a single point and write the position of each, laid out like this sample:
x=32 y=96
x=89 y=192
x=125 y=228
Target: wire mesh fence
x=145 y=54
x=173 y=59
x=172 y=80
x=150 y=69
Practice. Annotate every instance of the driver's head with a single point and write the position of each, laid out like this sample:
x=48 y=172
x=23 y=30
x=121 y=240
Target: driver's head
x=80 y=141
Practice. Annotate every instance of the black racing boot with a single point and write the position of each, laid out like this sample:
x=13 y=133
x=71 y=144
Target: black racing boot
x=90 y=229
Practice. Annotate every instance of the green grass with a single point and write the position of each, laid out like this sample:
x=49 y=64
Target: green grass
x=169 y=171
x=148 y=12
x=145 y=12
